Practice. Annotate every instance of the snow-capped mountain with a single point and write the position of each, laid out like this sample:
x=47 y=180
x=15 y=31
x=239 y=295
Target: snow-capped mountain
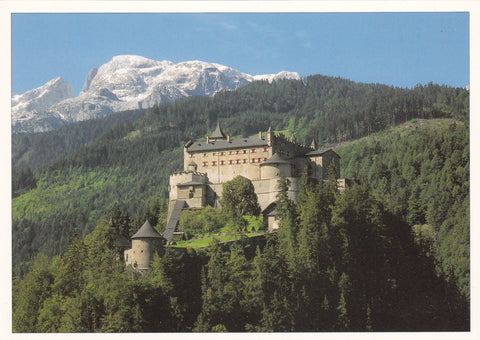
x=130 y=82
x=32 y=104
x=274 y=77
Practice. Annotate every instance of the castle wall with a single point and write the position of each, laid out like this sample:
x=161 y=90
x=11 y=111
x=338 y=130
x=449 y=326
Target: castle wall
x=222 y=166
x=194 y=195
x=184 y=177
x=317 y=167
x=273 y=223
x=300 y=163
x=323 y=162
x=266 y=190
x=276 y=171
x=287 y=149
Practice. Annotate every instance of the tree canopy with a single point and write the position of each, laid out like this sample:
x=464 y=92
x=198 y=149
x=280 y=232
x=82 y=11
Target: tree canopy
x=239 y=197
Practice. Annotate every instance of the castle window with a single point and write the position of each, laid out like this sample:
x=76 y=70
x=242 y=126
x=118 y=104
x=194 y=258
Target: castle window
x=244 y=161
x=237 y=152
x=205 y=164
x=230 y=162
x=214 y=163
x=253 y=150
x=265 y=149
x=204 y=155
x=253 y=160
x=244 y=151
x=237 y=161
x=222 y=153
x=222 y=162
x=192 y=155
x=214 y=154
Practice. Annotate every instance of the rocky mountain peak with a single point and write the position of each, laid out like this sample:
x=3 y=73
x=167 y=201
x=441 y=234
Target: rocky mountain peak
x=34 y=103
x=127 y=82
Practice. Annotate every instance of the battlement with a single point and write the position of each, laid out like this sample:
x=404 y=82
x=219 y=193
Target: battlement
x=186 y=172
x=280 y=137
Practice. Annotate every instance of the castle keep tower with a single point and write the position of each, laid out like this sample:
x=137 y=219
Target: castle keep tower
x=145 y=242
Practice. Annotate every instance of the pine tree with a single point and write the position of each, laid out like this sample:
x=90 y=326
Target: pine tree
x=287 y=232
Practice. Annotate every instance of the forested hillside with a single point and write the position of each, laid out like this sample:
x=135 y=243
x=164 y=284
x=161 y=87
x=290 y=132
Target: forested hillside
x=340 y=261
x=128 y=164
x=420 y=171
x=331 y=109
x=30 y=151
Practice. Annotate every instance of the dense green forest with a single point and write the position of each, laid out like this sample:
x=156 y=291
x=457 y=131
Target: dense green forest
x=339 y=262
x=33 y=150
x=128 y=161
x=421 y=171
x=65 y=181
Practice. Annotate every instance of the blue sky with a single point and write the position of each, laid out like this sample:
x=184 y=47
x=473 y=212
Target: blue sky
x=400 y=49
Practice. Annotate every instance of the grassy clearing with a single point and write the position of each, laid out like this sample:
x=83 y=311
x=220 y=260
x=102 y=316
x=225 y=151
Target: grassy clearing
x=210 y=239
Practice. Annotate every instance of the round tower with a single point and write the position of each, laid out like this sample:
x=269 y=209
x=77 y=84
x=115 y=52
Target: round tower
x=275 y=166
x=145 y=242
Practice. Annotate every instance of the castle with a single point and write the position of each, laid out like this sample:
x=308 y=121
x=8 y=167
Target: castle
x=263 y=160
x=219 y=159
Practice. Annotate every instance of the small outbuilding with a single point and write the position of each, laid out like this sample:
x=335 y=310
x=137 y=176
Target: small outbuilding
x=270 y=218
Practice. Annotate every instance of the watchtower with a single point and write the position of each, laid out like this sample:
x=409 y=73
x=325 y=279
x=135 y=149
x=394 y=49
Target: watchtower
x=145 y=242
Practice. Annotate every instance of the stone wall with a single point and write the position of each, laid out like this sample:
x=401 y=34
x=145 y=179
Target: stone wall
x=223 y=166
x=286 y=148
x=140 y=255
x=184 y=177
x=265 y=189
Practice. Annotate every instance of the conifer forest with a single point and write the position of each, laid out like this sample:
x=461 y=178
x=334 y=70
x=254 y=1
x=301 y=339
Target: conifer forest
x=391 y=252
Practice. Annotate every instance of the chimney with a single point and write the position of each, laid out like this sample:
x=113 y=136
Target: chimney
x=228 y=139
x=208 y=139
x=269 y=136
x=259 y=134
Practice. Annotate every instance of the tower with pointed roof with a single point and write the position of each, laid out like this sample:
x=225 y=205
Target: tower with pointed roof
x=217 y=134
x=145 y=243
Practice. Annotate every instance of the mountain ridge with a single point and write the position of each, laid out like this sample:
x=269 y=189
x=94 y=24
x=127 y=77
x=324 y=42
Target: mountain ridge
x=128 y=82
